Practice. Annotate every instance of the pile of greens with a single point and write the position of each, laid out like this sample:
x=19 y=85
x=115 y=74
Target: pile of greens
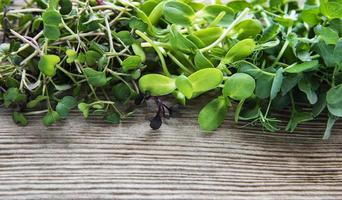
x=257 y=55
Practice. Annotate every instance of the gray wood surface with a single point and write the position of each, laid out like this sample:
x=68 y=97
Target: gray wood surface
x=78 y=159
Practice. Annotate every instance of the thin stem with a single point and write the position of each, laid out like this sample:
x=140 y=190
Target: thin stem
x=155 y=47
x=26 y=41
x=226 y=32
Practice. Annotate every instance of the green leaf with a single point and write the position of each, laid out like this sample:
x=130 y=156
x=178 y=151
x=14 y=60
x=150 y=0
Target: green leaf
x=65 y=105
x=19 y=118
x=310 y=16
x=13 y=96
x=47 y=64
x=184 y=85
x=51 y=32
x=331 y=9
x=91 y=57
x=297 y=118
x=72 y=55
x=125 y=37
x=178 y=13
x=137 y=24
x=213 y=114
x=208 y=35
x=239 y=51
x=33 y=103
x=205 y=80
x=113 y=118
x=302 y=67
x=248 y=28
x=338 y=53
x=277 y=83
x=156 y=84
x=334 y=100
x=181 y=43
x=328 y=35
x=131 y=63
x=306 y=86
x=212 y=11
x=84 y=108
x=95 y=78
x=121 y=92
x=51 y=17
x=326 y=52
x=66 y=6
x=239 y=86
x=201 y=62
x=270 y=33
x=50 y=118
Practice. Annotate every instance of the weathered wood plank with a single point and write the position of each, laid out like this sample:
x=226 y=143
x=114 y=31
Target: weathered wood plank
x=93 y=160
x=78 y=159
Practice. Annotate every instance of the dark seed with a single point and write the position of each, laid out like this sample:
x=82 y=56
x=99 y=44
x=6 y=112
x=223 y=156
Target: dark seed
x=156 y=122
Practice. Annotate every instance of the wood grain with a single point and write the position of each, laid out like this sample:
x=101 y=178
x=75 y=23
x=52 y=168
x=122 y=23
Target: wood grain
x=78 y=159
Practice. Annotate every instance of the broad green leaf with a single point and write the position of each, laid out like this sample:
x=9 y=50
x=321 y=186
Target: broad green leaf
x=238 y=5
x=47 y=64
x=156 y=84
x=180 y=42
x=239 y=51
x=212 y=11
x=66 y=6
x=131 y=63
x=50 y=118
x=84 y=108
x=248 y=28
x=306 y=86
x=113 y=118
x=208 y=35
x=213 y=114
x=205 y=80
x=178 y=13
x=297 y=118
x=201 y=62
x=277 y=83
x=328 y=35
x=326 y=52
x=270 y=33
x=91 y=57
x=125 y=37
x=121 y=92
x=95 y=78
x=310 y=16
x=338 y=53
x=334 y=95
x=184 y=85
x=51 y=17
x=302 y=67
x=239 y=86
x=331 y=9
x=137 y=24
x=51 y=32
x=65 y=105
x=13 y=96
x=138 y=50
x=19 y=118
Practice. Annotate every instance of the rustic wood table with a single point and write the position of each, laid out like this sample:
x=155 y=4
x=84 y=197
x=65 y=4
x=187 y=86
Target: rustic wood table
x=78 y=159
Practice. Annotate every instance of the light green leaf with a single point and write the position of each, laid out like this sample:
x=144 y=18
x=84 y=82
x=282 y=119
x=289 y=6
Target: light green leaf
x=47 y=64
x=213 y=114
x=95 y=78
x=156 y=84
x=239 y=86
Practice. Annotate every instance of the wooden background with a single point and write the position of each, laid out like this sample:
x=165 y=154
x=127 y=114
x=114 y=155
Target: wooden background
x=78 y=159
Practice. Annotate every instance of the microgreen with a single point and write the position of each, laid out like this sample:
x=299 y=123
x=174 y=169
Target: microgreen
x=258 y=56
